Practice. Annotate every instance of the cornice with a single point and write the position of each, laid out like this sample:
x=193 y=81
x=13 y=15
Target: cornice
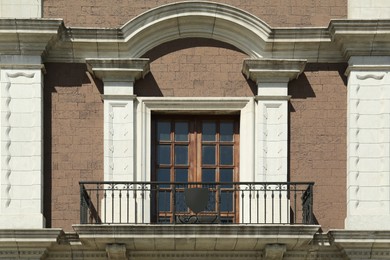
x=362 y=244
x=28 y=36
x=50 y=39
x=118 y=69
x=272 y=70
x=27 y=243
x=361 y=37
x=155 y=237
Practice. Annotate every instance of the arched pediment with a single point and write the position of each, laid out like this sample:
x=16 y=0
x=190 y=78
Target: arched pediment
x=196 y=19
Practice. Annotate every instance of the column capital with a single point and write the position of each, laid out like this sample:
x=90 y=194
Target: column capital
x=368 y=63
x=272 y=70
x=21 y=62
x=118 y=69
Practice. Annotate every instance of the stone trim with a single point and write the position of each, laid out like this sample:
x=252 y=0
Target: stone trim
x=273 y=97
x=118 y=69
x=134 y=236
x=272 y=70
x=118 y=97
x=57 y=43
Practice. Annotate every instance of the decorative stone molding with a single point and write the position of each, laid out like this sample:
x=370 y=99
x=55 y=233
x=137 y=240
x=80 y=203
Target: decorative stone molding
x=272 y=70
x=368 y=207
x=21 y=182
x=336 y=43
x=357 y=244
x=118 y=76
x=272 y=77
x=274 y=251
x=198 y=237
x=116 y=252
x=29 y=36
x=242 y=106
x=118 y=69
x=361 y=37
x=27 y=243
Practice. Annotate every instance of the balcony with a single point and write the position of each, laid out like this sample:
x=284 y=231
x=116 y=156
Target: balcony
x=196 y=203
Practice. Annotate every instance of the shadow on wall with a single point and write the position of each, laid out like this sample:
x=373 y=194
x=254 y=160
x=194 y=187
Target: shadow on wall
x=301 y=88
x=317 y=138
x=68 y=79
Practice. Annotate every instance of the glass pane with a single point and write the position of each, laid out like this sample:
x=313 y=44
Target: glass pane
x=163 y=175
x=208 y=175
x=226 y=131
x=164 y=201
x=226 y=176
x=226 y=155
x=181 y=175
x=164 y=220
x=227 y=201
x=208 y=154
x=181 y=154
x=211 y=202
x=163 y=131
x=180 y=202
x=163 y=154
x=209 y=131
x=181 y=131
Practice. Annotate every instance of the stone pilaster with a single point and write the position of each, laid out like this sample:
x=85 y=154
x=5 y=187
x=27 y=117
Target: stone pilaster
x=271 y=126
x=272 y=77
x=368 y=154
x=21 y=182
x=118 y=76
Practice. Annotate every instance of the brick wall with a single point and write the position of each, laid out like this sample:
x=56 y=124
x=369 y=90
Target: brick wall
x=318 y=119
x=73 y=140
x=195 y=67
x=115 y=13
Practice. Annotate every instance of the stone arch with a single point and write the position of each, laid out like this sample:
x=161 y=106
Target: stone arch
x=197 y=20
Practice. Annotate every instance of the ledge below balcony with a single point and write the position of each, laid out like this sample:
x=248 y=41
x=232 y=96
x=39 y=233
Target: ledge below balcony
x=196 y=237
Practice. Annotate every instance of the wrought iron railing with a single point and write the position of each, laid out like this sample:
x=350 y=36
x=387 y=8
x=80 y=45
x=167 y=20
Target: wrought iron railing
x=180 y=203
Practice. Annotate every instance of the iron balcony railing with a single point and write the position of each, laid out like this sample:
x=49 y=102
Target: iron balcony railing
x=181 y=203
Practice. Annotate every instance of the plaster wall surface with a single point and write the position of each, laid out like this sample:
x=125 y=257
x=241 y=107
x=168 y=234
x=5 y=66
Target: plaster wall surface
x=281 y=13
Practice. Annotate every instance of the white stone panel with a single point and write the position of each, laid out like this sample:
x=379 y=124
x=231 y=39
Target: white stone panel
x=118 y=87
x=368 y=9
x=272 y=89
x=21 y=144
x=374 y=179
x=368 y=164
x=368 y=146
x=22 y=134
x=271 y=145
x=118 y=136
x=25 y=178
x=21 y=8
x=369 y=136
x=368 y=150
x=377 y=121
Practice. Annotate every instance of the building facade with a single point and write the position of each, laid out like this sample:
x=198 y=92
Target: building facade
x=195 y=129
